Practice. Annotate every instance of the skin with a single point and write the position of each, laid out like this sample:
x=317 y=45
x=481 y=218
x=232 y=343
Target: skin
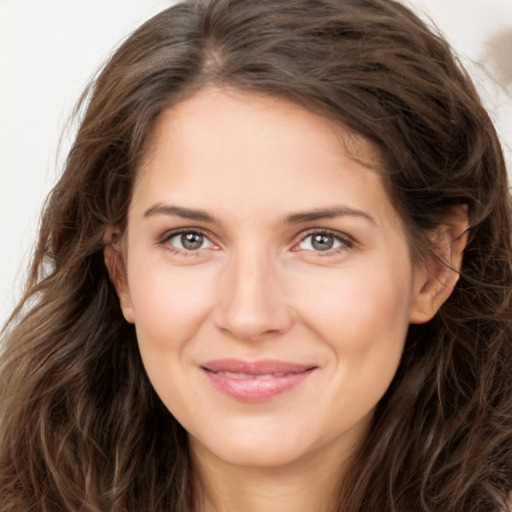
x=258 y=288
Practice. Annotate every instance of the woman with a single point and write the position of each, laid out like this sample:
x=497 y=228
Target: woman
x=275 y=275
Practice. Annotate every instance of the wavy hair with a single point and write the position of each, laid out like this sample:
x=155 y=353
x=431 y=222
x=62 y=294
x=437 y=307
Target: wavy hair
x=82 y=428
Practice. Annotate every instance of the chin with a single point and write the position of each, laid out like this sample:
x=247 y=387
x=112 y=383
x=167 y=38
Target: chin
x=256 y=449
x=259 y=457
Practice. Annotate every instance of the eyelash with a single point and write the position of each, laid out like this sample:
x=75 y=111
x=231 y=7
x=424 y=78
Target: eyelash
x=166 y=237
x=346 y=241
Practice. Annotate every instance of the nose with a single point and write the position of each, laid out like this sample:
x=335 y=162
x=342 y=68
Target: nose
x=251 y=300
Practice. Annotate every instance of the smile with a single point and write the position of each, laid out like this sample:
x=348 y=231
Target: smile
x=255 y=381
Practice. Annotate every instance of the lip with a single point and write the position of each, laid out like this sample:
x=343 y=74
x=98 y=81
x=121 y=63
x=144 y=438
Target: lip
x=255 y=381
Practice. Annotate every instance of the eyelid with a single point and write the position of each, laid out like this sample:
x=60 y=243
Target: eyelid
x=168 y=235
x=347 y=241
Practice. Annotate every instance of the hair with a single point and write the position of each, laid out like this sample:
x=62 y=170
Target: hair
x=82 y=428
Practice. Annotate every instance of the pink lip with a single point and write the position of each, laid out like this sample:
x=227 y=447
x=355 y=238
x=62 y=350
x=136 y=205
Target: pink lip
x=255 y=381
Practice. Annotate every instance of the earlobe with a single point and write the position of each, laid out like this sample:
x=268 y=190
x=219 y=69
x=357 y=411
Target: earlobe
x=437 y=279
x=115 y=266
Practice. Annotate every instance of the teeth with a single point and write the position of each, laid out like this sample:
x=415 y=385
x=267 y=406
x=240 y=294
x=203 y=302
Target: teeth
x=265 y=376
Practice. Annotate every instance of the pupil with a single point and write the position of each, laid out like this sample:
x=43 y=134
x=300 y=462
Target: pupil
x=322 y=242
x=192 y=241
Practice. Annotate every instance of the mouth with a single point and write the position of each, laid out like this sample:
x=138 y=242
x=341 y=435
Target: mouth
x=255 y=381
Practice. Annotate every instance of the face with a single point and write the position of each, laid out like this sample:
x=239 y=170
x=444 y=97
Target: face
x=268 y=277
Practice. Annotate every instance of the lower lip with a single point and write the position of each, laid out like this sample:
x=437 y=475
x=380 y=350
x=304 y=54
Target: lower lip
x=249 y=389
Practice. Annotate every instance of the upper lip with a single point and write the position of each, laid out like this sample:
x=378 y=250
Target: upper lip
x=260 y=367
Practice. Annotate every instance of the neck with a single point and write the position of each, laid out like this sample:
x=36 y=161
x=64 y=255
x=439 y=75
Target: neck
x=303 y=486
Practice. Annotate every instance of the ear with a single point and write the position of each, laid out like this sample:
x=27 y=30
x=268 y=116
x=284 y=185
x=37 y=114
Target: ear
x=436 y=279
x=114 y=262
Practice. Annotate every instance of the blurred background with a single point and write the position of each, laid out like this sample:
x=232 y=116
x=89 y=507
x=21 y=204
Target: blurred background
x=50 y=50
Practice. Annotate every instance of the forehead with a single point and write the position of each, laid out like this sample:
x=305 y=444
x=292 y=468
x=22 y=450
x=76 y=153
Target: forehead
x=214 y=107
x=251 y=149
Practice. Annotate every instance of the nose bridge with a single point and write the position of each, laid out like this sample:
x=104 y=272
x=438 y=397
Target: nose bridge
x=251 y=301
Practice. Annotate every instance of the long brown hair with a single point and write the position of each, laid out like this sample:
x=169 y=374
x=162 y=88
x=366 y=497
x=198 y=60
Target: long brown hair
x=81 y=426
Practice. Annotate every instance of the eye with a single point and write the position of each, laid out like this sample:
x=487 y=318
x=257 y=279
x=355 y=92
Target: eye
x=188 y=241
x=324 y=241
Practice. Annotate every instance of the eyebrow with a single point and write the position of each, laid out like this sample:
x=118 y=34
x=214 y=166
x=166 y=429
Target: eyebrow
x=329 y=213
x=294 y=218
x=178 y=211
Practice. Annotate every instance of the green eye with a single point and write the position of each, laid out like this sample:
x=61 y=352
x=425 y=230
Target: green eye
x=322 y=242
x=189 y=241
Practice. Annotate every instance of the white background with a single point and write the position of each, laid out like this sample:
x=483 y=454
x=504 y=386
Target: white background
x=50 y=49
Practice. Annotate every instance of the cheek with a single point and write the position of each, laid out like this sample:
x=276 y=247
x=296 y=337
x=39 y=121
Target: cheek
x=363 y=315
x=169 y=304
x=363 y=320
